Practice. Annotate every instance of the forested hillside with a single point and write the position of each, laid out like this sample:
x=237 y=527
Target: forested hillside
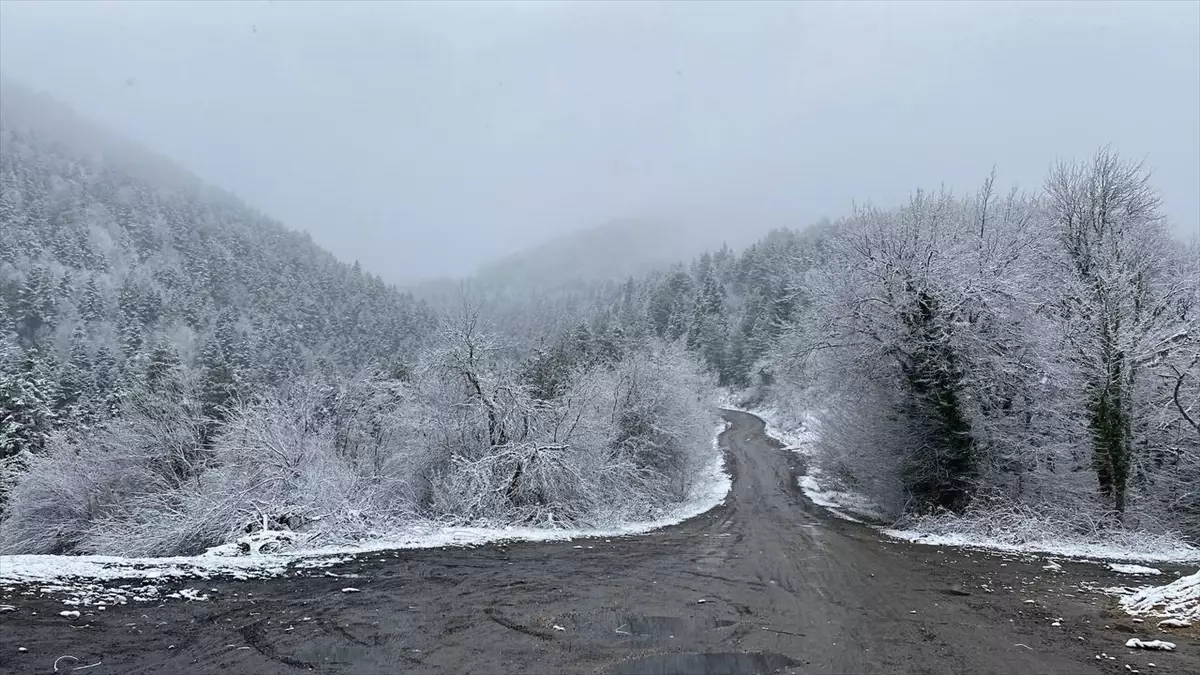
x=552 y=287
x=177 y=369
x=728 y=309
x=107 y=278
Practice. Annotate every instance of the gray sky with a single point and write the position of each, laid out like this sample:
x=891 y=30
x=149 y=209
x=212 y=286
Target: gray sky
x=424 y=139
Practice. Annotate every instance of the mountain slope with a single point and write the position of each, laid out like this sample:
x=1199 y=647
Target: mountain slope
x=109 y=253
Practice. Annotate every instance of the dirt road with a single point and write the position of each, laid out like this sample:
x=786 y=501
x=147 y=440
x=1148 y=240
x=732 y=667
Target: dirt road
x=765 y=583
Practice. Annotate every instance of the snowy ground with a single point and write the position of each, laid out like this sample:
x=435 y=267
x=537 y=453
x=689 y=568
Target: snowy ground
x=1178 y=602
x=78 y=574
x=1149 y=549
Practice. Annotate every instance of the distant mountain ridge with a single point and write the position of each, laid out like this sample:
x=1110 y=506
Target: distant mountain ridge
x=611 y=251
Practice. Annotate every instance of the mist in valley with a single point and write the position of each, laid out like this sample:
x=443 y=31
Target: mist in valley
x=425 y=140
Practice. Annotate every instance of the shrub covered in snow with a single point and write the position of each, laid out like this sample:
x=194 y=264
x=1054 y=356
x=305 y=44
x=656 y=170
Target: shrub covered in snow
x=462 y=439
x=621 y=440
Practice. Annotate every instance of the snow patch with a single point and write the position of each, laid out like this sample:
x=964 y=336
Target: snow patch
x=1149 y=550
x=840 y=503
x=1161 y=645
x=1179 y=599
x=265 y=540
x=38 y=568
x=1133 y=569
x=189 y=594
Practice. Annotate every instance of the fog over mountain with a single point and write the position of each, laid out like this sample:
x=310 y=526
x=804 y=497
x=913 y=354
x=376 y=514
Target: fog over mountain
x=425 y=140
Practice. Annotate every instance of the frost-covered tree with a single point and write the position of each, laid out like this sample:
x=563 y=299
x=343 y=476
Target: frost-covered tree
x=1118 y=302
x=27 y=395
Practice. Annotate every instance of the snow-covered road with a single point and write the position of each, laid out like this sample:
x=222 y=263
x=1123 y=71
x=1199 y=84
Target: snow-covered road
x=766 y=582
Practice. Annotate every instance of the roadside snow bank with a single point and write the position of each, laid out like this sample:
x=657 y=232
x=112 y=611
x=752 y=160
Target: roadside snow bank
x=1179 y=600
x=708 y=490
x=39 y=568
x=1141 y=547
x=840 y=503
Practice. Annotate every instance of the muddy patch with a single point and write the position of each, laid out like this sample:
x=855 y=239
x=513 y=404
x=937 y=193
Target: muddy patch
x=660 y=626
x=720 y=663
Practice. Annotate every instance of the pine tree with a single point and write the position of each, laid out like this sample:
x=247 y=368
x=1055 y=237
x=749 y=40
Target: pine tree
x=164 y=369
x=131 y=338
x=582 y=349
x=547 y=372
x=91 y=303
x=27 y=394
x=74 y=385
x=669 y=307
x=35 y=307
x=7 y=325
x=234 y=344
x=106 y=377
x=708 y=331
x=218 y=387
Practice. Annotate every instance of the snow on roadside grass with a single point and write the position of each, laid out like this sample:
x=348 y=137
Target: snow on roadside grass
x=838 y=502
x=76 y=573
x=1179 y=599
x=1143 y=547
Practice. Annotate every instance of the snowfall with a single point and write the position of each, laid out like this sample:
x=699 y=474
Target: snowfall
x=79 y=574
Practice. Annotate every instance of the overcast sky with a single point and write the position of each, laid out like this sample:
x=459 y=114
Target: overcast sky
x=423 y=139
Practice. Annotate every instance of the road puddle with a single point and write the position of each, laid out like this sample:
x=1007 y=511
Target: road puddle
x=720 y=663
x=664 y=626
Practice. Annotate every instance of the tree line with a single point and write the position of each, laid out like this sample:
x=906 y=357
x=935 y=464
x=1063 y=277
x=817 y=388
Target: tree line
x=175 y=367
x=998 y=352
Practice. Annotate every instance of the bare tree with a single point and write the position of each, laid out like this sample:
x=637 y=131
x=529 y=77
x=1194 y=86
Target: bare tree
x=1116 y=301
